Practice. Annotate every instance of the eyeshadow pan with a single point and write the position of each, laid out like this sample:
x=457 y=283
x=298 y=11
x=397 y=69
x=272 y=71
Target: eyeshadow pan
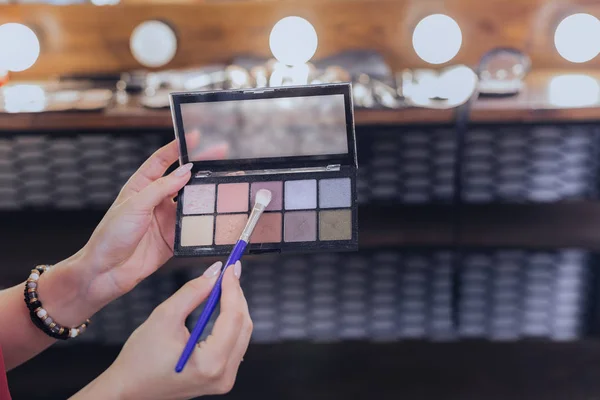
x=335 y=225
x=229 y=228
x=334 y=193
x=197 y=230
x=232 y=197
x=301 y=195
x=300 y=226
x=276 y=189
x=268 y=229
x=199 y=199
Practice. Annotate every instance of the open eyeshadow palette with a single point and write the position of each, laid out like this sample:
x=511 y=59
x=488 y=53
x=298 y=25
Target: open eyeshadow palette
x=297 y=142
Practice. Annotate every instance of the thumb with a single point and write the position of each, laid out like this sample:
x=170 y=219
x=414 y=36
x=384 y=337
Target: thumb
x=192 y=294
x=153 y=194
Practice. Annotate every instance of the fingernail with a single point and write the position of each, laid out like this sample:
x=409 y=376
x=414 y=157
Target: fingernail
x=213 y=270
x=181 y=171
x=237 y=269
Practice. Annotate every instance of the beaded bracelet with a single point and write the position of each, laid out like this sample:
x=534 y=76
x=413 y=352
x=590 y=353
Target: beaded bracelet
x=39 y=316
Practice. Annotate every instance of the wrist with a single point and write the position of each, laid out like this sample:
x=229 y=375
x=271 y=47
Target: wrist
x=62 y=290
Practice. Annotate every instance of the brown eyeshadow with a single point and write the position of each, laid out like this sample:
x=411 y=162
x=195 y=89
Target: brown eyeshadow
x=268 y=229
x=335 y=225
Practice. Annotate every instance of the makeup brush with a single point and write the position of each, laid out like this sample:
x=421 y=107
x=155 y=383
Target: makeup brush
x=263 y=198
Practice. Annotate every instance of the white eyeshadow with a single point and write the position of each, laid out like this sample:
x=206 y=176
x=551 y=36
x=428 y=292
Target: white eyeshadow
x=301 y=195
x=199 y=199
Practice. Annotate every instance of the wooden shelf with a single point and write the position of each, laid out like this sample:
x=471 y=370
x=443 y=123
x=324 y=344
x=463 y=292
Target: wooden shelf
x=83 y=38
x=534 y=104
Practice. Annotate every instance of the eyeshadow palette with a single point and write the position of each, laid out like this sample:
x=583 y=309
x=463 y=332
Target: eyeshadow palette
x=313 y=183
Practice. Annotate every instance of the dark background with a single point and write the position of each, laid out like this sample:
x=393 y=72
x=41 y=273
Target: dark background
x=424 y=251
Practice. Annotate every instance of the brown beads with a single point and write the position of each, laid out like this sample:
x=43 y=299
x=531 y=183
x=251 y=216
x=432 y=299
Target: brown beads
x=39 y=315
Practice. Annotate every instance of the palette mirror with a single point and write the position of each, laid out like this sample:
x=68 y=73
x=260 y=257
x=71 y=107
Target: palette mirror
x=271 y=127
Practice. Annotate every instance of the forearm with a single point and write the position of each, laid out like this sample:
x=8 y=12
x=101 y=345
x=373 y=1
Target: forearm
x=19 y=338
x=61 y=295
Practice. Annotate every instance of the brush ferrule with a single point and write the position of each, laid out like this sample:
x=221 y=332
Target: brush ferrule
x=252 y=221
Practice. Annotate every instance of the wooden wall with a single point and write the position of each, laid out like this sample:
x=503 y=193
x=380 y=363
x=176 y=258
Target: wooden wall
x=86 y=38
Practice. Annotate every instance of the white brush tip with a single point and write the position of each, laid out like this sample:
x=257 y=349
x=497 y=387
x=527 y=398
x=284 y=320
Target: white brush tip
x=263 y=197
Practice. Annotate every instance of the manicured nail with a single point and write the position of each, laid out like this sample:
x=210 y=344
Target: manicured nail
x=237 y=269
x=213 y=270
x=181 y=171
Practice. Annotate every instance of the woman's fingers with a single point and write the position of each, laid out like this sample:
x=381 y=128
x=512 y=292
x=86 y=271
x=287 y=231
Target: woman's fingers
x=164 y=188
x=158 y=163
x=244 y=339
x=165 y=214
x=236 y=357
x=152 y=169
x=181 y=304
x=155 y=166
x=218 y=348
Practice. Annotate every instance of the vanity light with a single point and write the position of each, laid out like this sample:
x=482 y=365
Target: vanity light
x=293 y=41
x=577 y=38
x=437 y=39
x=19 y=47
x=153 y=44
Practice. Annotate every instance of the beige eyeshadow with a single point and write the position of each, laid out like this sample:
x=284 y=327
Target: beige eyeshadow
x=197 y=231
x=335 y=225
x=229 y=228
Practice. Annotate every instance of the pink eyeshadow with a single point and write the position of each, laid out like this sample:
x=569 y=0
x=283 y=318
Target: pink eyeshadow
x=276 y=189
x=232 y=197
x=229 y=228
x=199 y=199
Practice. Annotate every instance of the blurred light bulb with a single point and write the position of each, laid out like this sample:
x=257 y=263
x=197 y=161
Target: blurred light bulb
x=457 y=84
x=105 y=2
x=19 y=47
x=573 y=90
x=153 y=43
x=24 y=98
x=423 y=85
x=450 y=88
x=285 y=75
x=437 y=39
x=293 y=41
x=577 y=37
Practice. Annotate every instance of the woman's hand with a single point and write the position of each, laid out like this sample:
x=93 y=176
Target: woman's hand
x=133 y=240
x=145 y=369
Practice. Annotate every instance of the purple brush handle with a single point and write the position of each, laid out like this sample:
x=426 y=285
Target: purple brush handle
x=209 y=308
